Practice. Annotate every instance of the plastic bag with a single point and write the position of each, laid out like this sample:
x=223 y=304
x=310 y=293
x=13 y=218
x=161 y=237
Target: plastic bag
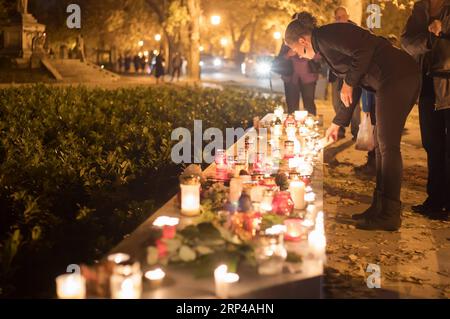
x=366 y=139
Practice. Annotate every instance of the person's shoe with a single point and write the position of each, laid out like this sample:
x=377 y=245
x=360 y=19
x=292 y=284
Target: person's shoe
x=368 y=169
x=428 y=207
x=388 y=219
x=373 y=210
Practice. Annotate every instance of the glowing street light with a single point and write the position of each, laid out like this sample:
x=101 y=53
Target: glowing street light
x=141 y=43
x=224 y=42
x=215 y=20
x=277 y=35
x=158 y=37
x=201 y=48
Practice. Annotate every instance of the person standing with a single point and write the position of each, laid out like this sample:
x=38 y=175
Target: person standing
x=366 y=60
x=159 y=67
x=341 y=16
x=81 y=48
x=426 y=38
x=177 y=62
x=299 y=78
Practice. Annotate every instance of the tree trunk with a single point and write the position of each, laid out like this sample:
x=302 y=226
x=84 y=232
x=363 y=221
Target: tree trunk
x=194 y=30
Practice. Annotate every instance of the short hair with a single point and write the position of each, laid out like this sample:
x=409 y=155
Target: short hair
x=340 y=8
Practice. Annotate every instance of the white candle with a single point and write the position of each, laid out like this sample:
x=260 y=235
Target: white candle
x=279 y=111
x=190 y=199
x=126 y=287
x=297 y=190
x=301 y=116
x=118 y=258
x=277 y=130
x=223 y=280
x=71 y=286
x=290 y=131
x=162 y=221
x=235 y=189
x=309 y=122
x=155 y=277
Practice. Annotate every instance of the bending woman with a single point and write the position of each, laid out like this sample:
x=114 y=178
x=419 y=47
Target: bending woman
x=363 y=59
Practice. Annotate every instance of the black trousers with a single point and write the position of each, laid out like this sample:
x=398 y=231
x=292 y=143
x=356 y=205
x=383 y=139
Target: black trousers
x=307 y=91
x=435 y=132
x=394 y=100
x=176 y=72
x=338 y=105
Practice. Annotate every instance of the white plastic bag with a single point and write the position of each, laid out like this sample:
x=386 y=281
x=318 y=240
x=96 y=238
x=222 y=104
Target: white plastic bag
x=366 y=139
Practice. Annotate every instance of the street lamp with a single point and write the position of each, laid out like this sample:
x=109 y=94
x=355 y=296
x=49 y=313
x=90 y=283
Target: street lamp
x=201 y=48
x=277 y=35
x=158 y=37
x=215 y=19
x=141 y=43
x=224 y=42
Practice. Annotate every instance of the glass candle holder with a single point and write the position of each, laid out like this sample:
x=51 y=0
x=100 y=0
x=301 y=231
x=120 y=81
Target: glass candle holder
x=282 y=203
x=289 y=149
x=190 y=196
x=224 y=281
x=71 y=286
x=294 y=229
x=310 y=122
x=300 y=116
x=266 y=203
x=270 y=255
x=126 y=281
x=258 y=165
x=155 y=277
x=168 y=226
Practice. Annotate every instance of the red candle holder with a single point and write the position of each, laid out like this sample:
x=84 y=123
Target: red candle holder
x=294 y=229
x=282 y=203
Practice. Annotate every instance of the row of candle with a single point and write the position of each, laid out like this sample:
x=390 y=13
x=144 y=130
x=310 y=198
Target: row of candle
x=125 y=281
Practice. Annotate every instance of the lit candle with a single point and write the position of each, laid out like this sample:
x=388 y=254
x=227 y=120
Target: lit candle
x=125 y=288
x=235 y=189
x=293 y=229
x=223 y=280
x=290 y=132
x=297 y=190
x=266 y=204
x=168 y=225
x=190 y=196
x=309 y=122
x=71 y=286
x=118 y=258
x=279 y=111
x=155 y=277
x=277 y=130
x=317 y=243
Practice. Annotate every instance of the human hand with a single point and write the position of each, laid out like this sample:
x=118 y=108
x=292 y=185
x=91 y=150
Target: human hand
x=347 y=94
x=435 y=27
x=332 y=132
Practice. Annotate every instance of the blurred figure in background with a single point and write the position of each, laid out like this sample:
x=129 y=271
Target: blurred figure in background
x=299 y=76
x=177 y=63
x=341 y=16
x=159 y=67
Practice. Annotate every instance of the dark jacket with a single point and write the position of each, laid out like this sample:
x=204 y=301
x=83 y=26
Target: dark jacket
x=361 y=59
x=418 y=41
